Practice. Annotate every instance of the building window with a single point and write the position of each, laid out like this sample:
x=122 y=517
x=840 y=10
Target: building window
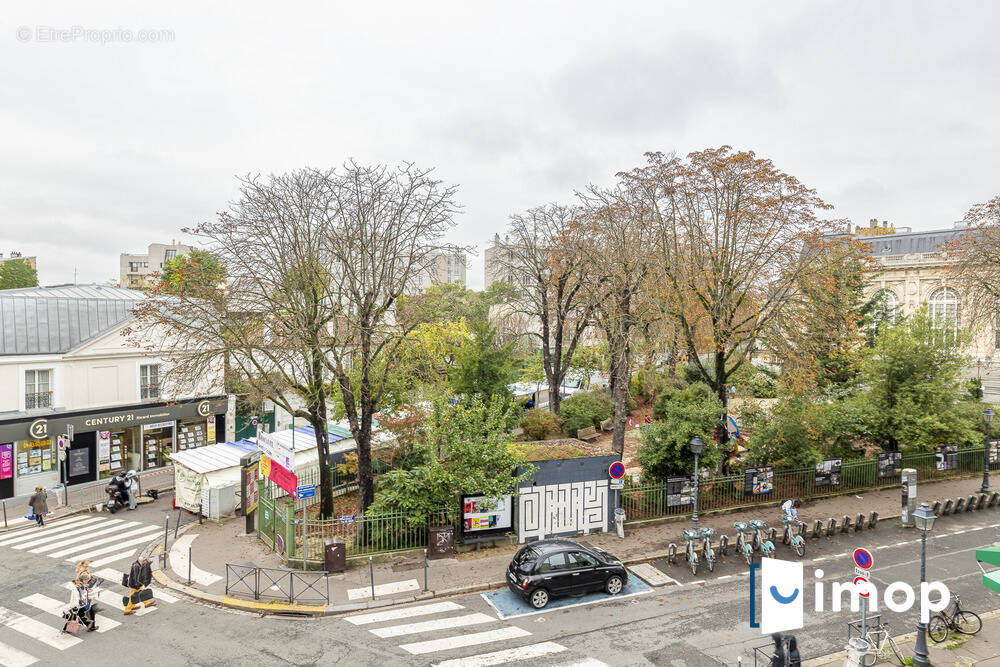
x=37 y=389
x=169 y=255
x=943 y=307
x=149 y=381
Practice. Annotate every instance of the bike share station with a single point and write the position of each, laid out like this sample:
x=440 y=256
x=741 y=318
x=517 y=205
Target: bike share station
x=507 y=604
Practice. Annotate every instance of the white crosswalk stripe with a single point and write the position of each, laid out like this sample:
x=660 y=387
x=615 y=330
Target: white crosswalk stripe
x=56 y=608
x=143 y=530
x=507 y=655
x=73 y=536
x=431 y=626
x=46 y=634
x=34 y=533
x=403 y=612
x=15 y=657
x=111 y=559
x=461 y=641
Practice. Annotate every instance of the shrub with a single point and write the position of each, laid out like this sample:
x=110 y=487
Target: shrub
x=647 y=384
x=585 y=409
x=681 y=414
x=538 y=423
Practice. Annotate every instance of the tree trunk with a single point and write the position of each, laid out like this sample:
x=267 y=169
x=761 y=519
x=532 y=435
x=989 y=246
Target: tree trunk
x=720 y=374
x=619 y=394
x=366 y=482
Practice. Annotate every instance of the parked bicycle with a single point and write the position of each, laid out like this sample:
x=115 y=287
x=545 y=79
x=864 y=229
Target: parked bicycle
x=707 y=552
x=790 y=536
x=879 y=644
x=954 y=618
x=744 y=544
x=760 y=541
x=691 y=536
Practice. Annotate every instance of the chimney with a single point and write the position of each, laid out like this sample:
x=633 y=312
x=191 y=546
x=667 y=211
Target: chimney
x=873 y=223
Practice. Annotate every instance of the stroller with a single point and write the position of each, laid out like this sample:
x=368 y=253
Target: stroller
x=77 y=618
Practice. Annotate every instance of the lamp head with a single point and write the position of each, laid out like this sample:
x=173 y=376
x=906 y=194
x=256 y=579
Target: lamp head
x=696 y=445
x=988 y=415
x=923 y=518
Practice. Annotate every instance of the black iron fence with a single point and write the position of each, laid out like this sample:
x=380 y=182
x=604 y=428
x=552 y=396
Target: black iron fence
x=267 y=582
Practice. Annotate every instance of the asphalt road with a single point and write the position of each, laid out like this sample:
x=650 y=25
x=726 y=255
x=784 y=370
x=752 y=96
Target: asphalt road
x=697 y=621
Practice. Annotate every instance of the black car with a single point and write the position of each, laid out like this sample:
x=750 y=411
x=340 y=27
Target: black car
x=542 y=570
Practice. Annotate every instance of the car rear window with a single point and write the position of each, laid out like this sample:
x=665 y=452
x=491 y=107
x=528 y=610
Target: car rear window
x=524 y=559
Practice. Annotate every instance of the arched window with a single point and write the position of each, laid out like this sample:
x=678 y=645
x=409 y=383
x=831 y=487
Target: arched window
x=943 y=307
x=887 y=307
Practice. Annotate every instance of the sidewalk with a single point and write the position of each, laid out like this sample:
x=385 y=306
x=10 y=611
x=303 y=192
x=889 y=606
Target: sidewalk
x=400 y=578
x=981 y=649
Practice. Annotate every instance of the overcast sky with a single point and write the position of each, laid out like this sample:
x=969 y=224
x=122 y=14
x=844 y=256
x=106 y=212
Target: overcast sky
x=889 y=110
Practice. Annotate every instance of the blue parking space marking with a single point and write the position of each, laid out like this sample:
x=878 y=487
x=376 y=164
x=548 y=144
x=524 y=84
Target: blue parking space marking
x=509 y=605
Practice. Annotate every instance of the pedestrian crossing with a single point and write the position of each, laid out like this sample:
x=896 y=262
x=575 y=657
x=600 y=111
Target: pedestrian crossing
x=447 y=626
x=31 y=627
x=102 y=540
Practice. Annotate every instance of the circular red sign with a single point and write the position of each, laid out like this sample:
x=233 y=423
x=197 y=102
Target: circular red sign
x=863 y=558
x=860 y=580
x=616 y=470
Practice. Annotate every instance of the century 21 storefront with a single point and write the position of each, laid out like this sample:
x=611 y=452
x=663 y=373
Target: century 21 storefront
x=105 y=441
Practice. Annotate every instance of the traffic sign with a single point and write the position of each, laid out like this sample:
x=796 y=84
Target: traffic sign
x=617 y=484
x=861 y=580
x=858 y=572
x=616 y=470
x=863 y=558
x=306 y=491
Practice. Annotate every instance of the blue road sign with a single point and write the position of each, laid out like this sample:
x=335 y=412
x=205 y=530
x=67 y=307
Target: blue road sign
x=347 y=518
x=307 y=491
x=862 y=558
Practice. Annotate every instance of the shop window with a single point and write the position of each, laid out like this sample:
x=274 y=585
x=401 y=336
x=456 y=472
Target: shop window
x=149 y=381
x=34 y=457
x=192 y=434
x=37 y=389
x=157 y=443
x=113 y=449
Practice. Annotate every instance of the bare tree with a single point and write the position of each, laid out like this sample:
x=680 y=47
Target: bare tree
x=545 y=258
x=388 y=224
x=977 y=271
x=270 y=319
x=617 y=231
x=732 y=239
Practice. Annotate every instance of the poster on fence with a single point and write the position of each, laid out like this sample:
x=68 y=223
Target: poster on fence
x=680 y=490
x=946 y=457
x=890 y=464
x=277 y=473
x=484 y=516
x=994 y=454
x=758 y=480
x=828 y=472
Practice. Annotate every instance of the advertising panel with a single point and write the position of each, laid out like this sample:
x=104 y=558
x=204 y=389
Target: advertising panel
x=277 y=452
x=680 y=490
x=828 y=472
x=280 y=475
x=946 y=457
x=7 y=460
x=890 y=464
x=758 y=480
x=482 y=515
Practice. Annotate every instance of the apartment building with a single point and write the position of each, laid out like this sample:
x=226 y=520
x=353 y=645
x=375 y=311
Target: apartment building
x=443 y=267
x=138 y=270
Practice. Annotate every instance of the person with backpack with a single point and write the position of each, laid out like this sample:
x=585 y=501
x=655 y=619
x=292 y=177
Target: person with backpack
x=139 y=578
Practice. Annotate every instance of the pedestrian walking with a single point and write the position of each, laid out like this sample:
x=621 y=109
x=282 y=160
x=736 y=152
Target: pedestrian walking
x=82 y=607
x=139 y=578
x=132 y=487
x=39 y=505
x=81 y=567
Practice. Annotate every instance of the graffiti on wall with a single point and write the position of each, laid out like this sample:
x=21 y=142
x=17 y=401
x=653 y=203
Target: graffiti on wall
x=562 y=509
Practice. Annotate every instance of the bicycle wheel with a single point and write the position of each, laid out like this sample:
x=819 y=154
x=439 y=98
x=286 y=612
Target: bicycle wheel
x=870 y=658
x=711 y=564
x=968 y=623
x=937 y=629
x=896 y=651
x=694 y=566
x=800 y=549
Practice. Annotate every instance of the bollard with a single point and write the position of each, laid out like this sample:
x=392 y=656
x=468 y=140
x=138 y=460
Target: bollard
x=847 y=524
x=166 y=532
x=831 y=527
x=873 y=520
x=199 y=514
x=859 y=524
x=5 y=514
x=425 y=570
x=177 y=526
x=371 y=575
x=817 y=529
x=189 y=564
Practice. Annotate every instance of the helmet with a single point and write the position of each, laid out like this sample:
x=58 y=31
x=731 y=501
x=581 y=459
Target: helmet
x=130 y=473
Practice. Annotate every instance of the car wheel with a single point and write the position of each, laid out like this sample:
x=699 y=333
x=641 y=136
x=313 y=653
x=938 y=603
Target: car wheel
x=539 y=598
x=613 y=586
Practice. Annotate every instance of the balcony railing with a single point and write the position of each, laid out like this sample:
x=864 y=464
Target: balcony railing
x=38 y=399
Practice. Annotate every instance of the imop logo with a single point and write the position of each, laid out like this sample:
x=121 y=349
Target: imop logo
x=781 y=595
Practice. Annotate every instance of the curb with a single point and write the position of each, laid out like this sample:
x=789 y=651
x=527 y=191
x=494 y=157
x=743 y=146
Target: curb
x=282 y=608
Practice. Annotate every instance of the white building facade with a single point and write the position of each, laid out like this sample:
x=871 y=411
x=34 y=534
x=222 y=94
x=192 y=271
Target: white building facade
x=66 y=365
x=138 y=270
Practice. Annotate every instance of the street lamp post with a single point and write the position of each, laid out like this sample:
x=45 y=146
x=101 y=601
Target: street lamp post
x=923 y=519
x=988 y=418
x=696 y=446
